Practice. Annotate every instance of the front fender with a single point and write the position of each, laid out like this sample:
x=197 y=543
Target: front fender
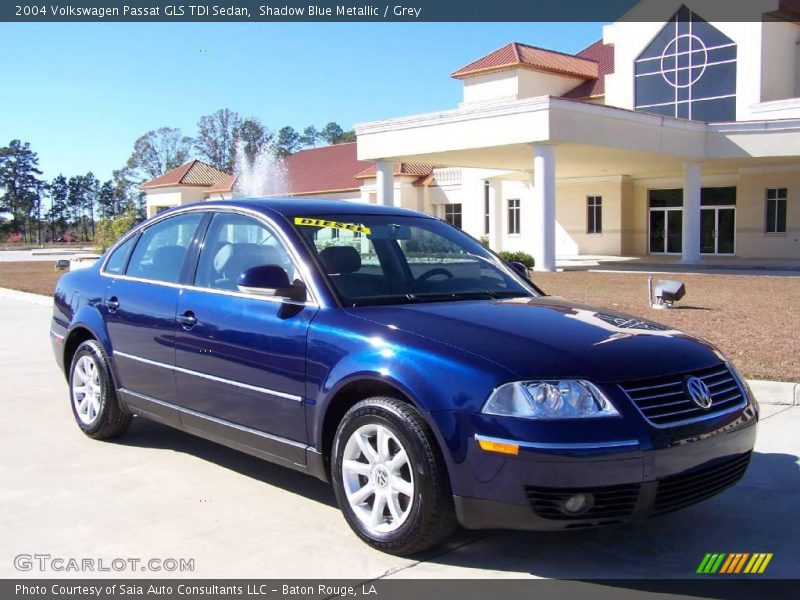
x=343 y=349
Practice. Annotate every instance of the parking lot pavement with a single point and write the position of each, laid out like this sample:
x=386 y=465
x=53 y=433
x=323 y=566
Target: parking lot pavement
x=158 y=493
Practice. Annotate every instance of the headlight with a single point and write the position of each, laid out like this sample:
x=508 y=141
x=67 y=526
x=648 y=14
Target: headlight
x=565 y=399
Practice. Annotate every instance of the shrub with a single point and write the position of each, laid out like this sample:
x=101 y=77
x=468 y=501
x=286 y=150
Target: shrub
x=523 y=257
x=109 y=231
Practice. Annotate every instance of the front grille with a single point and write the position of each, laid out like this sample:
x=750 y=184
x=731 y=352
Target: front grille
x=664 y=400
x=677 y=491
x=610 y=502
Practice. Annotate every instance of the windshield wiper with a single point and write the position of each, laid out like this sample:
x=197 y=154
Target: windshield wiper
x=471 y=295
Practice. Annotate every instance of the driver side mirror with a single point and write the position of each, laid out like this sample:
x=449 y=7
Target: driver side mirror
x=270 y=280
x=520 y=269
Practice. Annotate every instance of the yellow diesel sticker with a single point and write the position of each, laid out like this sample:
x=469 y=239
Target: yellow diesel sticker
x=309 y=222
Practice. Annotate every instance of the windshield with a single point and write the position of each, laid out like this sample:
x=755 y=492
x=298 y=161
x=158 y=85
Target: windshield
x=389 y=259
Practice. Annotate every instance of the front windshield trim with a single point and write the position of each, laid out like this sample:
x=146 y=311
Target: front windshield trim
x=528 y=288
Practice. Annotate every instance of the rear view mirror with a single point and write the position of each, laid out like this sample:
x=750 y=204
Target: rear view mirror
x=390 y=232
x=270 y=280
x=520 y=269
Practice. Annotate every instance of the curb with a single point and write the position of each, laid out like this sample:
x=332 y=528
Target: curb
x=26 y=297
x=775 y=392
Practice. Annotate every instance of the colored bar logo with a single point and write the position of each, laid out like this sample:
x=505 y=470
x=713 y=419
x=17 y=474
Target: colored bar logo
x=734 y=563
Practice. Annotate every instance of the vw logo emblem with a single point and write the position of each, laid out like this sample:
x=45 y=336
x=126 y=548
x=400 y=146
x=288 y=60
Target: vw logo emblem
x=381 y=477
x=698 y=392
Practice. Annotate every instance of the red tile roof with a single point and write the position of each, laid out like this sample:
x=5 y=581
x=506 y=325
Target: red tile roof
x=325 y=169
x=603 y=55
x=400 y=168
x=192 y=173
x=515 y=55
x=226 y=185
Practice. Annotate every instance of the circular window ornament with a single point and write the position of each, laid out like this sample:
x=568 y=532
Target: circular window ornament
x=697 y=49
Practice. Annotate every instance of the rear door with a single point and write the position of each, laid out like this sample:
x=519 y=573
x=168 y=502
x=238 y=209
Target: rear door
x=140 y=305
x=241 y=358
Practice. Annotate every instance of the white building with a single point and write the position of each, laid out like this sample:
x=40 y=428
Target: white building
x=676 y=137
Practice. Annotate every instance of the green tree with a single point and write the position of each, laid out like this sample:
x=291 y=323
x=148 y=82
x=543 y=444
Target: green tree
x=253 y=137
x=57 y=215
x=310 y=137
x=106 y=201
x=217 y=138
x=158 y=151
x=331 y=133
x=110 y=230
x=19 y=183
x=288 y=141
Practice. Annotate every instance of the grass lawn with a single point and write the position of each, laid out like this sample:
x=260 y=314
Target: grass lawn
x=755 y=320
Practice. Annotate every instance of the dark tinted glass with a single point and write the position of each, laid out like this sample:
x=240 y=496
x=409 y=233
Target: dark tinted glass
x=665 y=198
x=718 y=196
x=116 y=262
x=162 y=248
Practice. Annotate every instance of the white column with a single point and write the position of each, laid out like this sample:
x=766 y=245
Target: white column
x=385 y=182
x=691 y=213
x=544 y=205
x=495 y=215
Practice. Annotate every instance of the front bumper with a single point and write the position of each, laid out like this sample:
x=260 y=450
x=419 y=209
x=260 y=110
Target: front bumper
x=654 y=474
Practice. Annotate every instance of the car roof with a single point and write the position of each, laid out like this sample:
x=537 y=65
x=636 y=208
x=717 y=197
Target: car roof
x=299 y=207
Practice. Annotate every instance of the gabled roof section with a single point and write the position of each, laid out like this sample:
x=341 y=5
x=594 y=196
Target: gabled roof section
x=225 y=185
x=516 y=55
x=193 y=173
x=326 y=169
x=418 y=170
x=603 y=55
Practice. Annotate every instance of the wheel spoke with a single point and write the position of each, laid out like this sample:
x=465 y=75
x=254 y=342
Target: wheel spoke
x=394 y=506
x=402 y=486
x=377 y=509
x=362 y=494
x=366 y=448
x=382 y=441
x=398 y=461
x=356 y=466
x=83 y=404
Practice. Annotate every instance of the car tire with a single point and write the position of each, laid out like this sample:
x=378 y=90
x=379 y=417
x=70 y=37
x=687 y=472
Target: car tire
x=92 y=394
x=404 y=475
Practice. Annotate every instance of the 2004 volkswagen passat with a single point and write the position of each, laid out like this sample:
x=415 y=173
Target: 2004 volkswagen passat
x=395 y=356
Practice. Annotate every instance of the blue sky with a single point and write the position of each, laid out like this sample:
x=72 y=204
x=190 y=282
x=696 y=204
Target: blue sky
x=82 y=93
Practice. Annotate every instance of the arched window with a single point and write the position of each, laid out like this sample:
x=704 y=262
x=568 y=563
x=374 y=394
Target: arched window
x=688 y=71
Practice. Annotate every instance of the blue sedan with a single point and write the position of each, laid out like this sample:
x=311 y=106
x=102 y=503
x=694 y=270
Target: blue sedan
x=391 y=354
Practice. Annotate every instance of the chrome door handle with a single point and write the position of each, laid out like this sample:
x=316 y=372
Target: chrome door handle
x=187 y=319
x=112 y=304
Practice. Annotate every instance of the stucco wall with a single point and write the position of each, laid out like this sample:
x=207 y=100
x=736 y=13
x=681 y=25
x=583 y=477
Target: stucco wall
x=752 y=241
x=571 y=215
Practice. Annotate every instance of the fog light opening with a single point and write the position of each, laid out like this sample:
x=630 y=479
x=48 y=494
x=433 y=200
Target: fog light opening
x=577 y=504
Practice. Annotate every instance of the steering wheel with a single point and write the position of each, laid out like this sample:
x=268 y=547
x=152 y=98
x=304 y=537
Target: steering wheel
x=433 y=273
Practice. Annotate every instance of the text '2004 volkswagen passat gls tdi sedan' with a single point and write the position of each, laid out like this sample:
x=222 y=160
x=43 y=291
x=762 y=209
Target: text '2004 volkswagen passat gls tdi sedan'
x=393 y=355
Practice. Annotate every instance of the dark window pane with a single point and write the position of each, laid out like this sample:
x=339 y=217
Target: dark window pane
x=683 y=111
x=652 y=66
x=116 y=262
x=718 y=196
x=598 y=220
x=674 y=230
x=710 y=35
x=771 y=216
x=772 y=193
x=162 y=248
x=781 y=216
x=652 y=89
x=656 y=47
x=717 y=80
x=723 y=109
x=719 y=54
x=664 y=198
x=657 y=221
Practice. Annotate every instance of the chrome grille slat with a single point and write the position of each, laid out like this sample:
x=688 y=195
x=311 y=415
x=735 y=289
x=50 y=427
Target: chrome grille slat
x=663 y=401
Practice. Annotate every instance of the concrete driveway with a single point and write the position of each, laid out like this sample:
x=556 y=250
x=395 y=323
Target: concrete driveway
x=158 y=493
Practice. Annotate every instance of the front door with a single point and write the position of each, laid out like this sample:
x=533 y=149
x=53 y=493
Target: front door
x=717 y=230
x=241 y=358
x=666 y=226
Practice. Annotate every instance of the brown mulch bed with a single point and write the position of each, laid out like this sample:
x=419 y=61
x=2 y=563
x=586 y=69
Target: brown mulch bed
x=755 y=320
x=37 y=277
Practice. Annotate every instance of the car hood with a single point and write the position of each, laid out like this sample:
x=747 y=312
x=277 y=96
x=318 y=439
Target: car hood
x=551 y=337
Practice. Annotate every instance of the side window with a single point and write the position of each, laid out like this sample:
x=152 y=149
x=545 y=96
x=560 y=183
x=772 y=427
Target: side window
x=162 y=248
x=235 y=243
x=116 y=262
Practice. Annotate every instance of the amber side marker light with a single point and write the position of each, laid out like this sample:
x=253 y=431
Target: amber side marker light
x=499 y=447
